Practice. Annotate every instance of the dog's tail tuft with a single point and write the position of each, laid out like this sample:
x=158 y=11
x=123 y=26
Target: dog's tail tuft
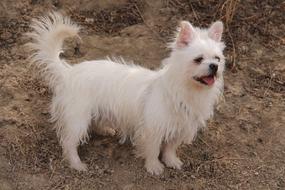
x=48 y=35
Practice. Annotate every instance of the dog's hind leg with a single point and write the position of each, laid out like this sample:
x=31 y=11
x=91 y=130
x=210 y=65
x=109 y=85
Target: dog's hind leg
x=74 y=132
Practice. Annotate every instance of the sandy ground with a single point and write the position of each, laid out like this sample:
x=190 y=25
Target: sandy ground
x=244 y=144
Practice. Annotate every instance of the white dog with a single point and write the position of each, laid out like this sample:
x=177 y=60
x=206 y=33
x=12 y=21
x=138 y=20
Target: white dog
x=158 y=110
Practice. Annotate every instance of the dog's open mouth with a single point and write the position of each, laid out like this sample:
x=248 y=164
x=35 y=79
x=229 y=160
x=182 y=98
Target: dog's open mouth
x=206 y=80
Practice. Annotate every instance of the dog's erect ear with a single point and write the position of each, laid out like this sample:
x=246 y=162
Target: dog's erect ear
x=216 y=30
x=185 y=35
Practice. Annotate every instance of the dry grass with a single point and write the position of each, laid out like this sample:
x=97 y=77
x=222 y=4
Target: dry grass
x=228 y=10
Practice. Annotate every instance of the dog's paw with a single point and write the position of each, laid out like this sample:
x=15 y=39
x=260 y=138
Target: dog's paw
x=122 y=140
x=109 y=132
x=105 y=131
x=79 y=166
x=154 y=167
x=172 y=161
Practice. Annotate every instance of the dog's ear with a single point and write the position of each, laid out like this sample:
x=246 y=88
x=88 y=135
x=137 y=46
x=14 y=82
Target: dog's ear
x=185 y=35
x=216 y=30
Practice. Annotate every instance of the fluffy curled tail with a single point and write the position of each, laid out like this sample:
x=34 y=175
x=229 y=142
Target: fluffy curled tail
x=48 y=34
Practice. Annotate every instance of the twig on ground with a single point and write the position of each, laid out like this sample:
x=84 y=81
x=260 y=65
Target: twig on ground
x=234 y=55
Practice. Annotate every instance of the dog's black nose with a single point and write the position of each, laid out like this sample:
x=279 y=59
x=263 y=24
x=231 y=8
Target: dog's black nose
x=213 y=68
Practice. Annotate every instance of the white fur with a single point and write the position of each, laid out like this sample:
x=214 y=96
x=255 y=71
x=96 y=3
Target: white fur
x=157 y=110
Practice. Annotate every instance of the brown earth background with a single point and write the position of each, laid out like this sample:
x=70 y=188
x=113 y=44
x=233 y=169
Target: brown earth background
x=244 y=144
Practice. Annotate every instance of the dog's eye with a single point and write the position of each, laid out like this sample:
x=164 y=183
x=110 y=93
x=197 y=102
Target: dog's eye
x=198 y=60
x=218 y=58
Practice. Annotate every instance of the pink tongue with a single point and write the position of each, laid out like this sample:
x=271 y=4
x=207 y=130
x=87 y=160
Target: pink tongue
x=209 y=80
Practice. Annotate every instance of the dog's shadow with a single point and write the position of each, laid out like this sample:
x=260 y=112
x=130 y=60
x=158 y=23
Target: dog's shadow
x=102 y=150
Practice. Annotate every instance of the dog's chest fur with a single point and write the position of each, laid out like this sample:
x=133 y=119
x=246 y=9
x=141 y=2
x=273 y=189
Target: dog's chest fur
x=182 y=115
x=189 y=117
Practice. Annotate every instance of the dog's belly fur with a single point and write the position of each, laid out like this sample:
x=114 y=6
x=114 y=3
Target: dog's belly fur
x=108 y=89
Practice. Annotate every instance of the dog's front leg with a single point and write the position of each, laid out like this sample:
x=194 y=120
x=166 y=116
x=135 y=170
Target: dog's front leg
x=152 y=150
x=169 y=156
x=148 y=145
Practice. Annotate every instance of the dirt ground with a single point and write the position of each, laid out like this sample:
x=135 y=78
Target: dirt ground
x=244 y=144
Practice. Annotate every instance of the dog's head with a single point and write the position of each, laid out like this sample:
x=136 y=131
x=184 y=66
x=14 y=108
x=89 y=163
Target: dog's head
x=197 y=55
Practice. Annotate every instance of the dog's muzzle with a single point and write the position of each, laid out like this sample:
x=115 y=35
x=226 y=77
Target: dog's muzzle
x=211 y=77
x=213 y=68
